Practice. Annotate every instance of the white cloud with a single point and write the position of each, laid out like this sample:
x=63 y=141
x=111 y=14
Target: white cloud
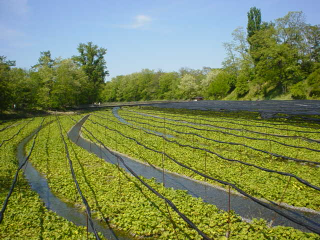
x=140 y=21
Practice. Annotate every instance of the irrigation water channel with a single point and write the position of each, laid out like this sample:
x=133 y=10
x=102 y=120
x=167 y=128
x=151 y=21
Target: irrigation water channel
x=245 y=207
x=40 y=185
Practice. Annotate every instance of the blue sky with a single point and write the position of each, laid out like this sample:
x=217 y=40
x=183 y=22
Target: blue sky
x=154 y=34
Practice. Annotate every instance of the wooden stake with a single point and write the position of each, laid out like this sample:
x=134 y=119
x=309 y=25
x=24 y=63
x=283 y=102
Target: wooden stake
x=163 y=152
x=87 y=228
x=229 y=210
x=281 y=199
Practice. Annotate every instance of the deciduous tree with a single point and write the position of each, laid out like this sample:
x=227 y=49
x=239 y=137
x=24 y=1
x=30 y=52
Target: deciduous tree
x=92 y=61
x=5 y=90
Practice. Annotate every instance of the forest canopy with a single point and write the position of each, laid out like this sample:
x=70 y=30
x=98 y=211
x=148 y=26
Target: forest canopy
x=54 y=83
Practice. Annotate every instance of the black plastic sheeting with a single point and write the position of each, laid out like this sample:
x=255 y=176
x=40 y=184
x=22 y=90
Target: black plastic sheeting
x=267 y=108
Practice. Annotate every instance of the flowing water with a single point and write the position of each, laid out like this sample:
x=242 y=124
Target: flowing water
x=40 y=185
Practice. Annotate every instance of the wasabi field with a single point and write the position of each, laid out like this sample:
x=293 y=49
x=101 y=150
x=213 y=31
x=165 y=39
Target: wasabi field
x=146 y=172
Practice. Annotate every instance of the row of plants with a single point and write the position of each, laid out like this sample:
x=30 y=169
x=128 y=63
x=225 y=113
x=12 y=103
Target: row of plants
x=112 y=194
x=4 y=125
x=296 y=149
x=250 y=179
x=123 y=145
x=286 y=147
x=11 y=129
x=250 y=118
x=289 y=129
x=290 y=135
x=26 y=217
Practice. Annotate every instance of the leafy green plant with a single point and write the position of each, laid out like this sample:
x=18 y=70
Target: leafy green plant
x=26 y=216
x=298 y=91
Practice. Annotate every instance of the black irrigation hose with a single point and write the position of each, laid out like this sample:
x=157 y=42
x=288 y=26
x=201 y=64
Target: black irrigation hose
x=171 y=204
x=9 y=126
x=235 y=123
x=5 y=203
x=222 y=182
x=233 y=143
x=235 y=135
x=292 y=122
x=84 y=200
x=236 y=129
x=125 y=146
x=224 y=158
x=6 y=140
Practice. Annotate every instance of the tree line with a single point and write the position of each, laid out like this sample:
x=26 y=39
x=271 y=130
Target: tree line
x=277 y=59
x=54 y=83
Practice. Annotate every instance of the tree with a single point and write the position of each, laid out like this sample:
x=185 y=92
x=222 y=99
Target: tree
x=188 y=86
x=220 y=87
x=239 y=63
x=168 y=85
x=71 y=85
x=254 y=26
x=147 y=84
x=5 y=90
x=231 y=65
x=310 y=48
x=312 y=34
x=131 y=86
x=23 y=94
x=43 y=77
x=92 y=61
x=254 y=21
x=299 y=90
x=44 y=60
x=231 y=62
x=290 y=29
x=242 y=86
x=278 y=65
x=313 y=81
x=211 y=76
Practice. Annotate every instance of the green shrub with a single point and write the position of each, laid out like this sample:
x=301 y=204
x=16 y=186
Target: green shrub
x=242 y=86
x=298 y=91
x=314 y=83
x=221 y=86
